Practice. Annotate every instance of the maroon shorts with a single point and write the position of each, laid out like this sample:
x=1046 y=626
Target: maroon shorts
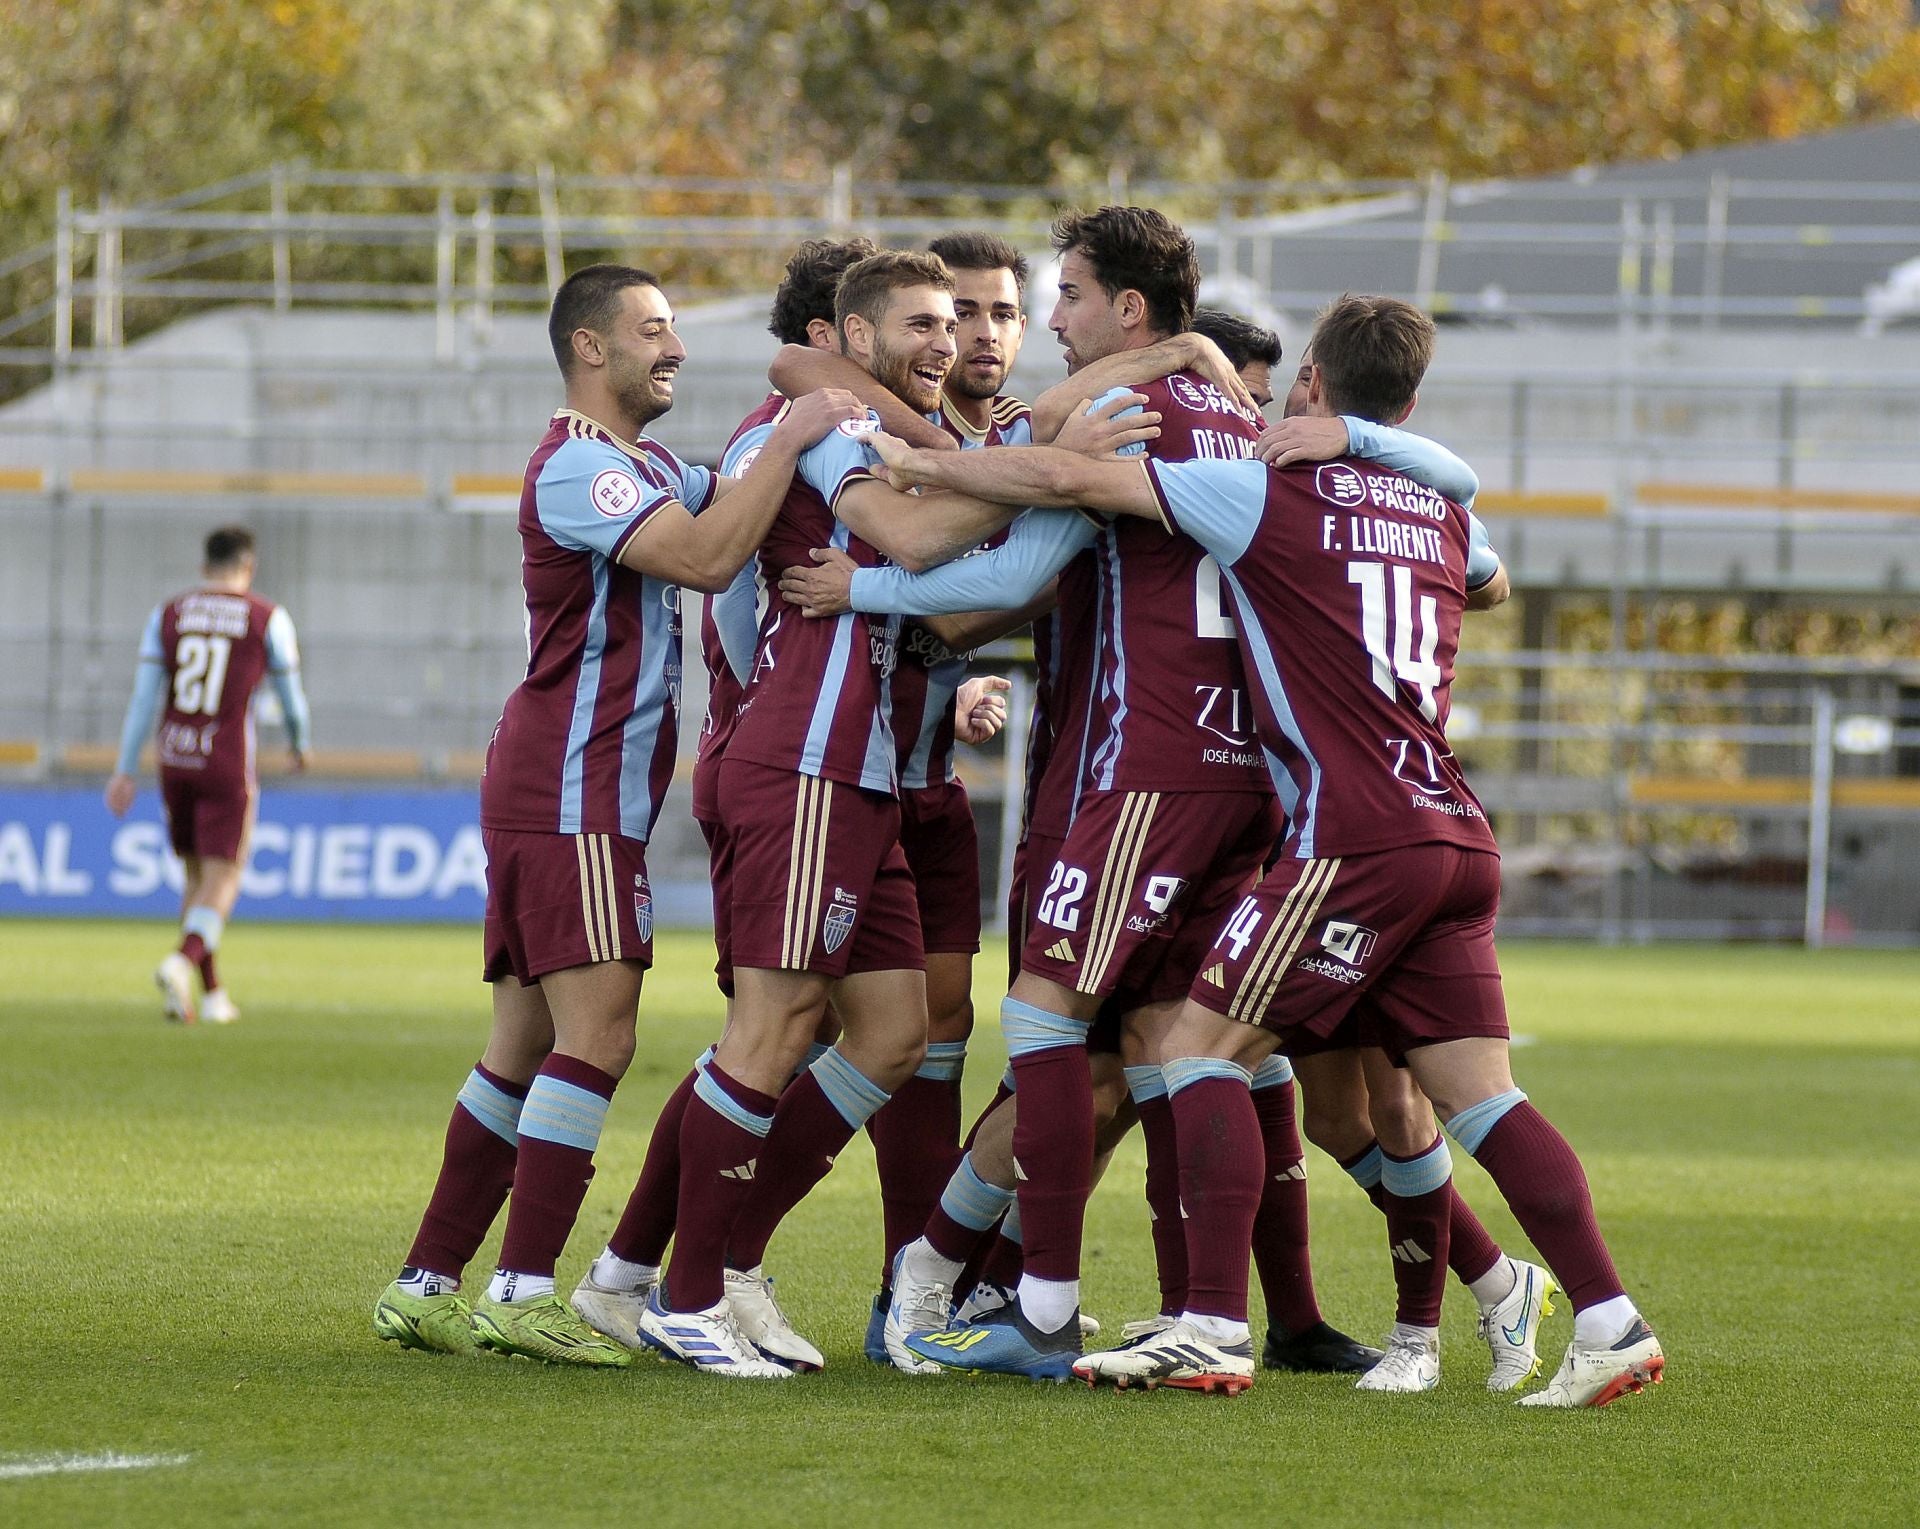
x=720 y=872
x=560 y=900
x=1393 y=949
x=942 y=847
x=820 y=883
x=1020 y=898
x=1113 y=905
x=207 y=819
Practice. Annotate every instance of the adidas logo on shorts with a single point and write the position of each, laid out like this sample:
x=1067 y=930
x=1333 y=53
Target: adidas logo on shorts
x=1216 y=974
x=1060 y=950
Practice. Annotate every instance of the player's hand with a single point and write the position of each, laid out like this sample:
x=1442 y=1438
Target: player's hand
x=121 y=790
x=1211 y=362
x=1303 y=438
x=1096 y=433
x=297 y=761
x=823 y=590
x=980 y=708
x=896 y=461
x=813 y=414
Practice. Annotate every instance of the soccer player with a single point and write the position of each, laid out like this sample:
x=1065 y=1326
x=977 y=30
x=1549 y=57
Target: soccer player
x=822 y=901
x=611 y=524
x=1348 y=584
x=202 y=656
x=1253 y=349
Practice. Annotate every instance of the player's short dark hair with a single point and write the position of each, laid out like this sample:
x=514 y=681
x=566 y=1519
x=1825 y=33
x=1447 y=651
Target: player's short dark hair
x=1372 y=353
x=589 y=299
x=867 y=288
x=227 y=546
x=806 y=292
x=1141 y=249
x=1240 y=339
x=971 y=251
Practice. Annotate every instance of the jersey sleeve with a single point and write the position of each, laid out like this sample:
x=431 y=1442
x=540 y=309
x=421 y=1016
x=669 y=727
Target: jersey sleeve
x=1039 y=544
x=1482 y=561
x=149 y=690
x=840 y=457
x=743 y=448
x=1132 y=448
x=590 y=498
x=736 y=616
x=151 y=649
x=1420 y=459
x=1218 y=503
x=283 y=647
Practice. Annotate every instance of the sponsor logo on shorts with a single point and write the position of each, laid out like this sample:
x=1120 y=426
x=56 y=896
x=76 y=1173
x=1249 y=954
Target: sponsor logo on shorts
x=838 y=923
x=1351 y=943
x=1339 y=484
x=1140 y=923
x=615 y=493
x=1320 y=966
x=643 y=907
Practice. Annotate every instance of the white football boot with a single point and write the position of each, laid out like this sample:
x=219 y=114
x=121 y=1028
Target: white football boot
x=921 y=1303
x=759 y=1319
x=1594 y=1374
x=616 y=1313
x=1412 y=1363
x=216 y=1008
x=174 y=978
x=1511 y=1326
x=1178 y=1355
x=706 y=1340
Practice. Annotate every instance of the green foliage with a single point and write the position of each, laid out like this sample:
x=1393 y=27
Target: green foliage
x=198 y=1221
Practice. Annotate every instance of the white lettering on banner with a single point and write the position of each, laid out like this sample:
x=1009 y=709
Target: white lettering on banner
x=56 y=874
x=41 y=874
x=300 y=863
x=465 y=867
x=142 y=862
x=19 y=863
x=405 y=857
x=343 y=860
x=258 y=880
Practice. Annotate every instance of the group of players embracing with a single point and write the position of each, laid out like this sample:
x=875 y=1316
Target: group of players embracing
x=1247 y=857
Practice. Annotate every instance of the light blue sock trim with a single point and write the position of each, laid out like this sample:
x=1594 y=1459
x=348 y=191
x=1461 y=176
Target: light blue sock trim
x=1471 y=1125
x=1184 y=1072
x=856 y=1096
x=705 y=1060
x=945 y=1062
x=1145 y=1083
x=205 y=922
x=815 y=1051
x=1010 y=1226
x=1029 y=1029
x=723 y=1103
x=1422 y=1176
x=563 y=1112
x=1366 y=1172
x=493 y=1107
x=1273 y=1072
x=971 y=1200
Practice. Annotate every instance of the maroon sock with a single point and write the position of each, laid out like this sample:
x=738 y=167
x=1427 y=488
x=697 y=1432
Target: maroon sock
x=1221 y=1165
x=646 y=1226
x=476 y=1171
x=916 y=1144
x=194 y=948
x=1546 y=1189
x=1003 y=1264
x=1163 y=1200
x=1000 y=1096
x=719 y=1160
x=1053 y=1144
x=559 y=1128
x=1417 y=1236
x=808 y=1133
x=1280 y=1228
x=1471 y=1250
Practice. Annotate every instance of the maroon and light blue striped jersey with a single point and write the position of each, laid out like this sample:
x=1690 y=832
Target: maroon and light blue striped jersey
x=1347 y=582
x=586 y=743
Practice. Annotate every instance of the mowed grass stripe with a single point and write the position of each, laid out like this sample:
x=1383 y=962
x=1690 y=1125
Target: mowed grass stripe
x=197 y=1223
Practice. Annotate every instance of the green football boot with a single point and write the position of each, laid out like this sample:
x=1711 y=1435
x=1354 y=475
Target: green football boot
x=434 y=1324
x=544 y=1328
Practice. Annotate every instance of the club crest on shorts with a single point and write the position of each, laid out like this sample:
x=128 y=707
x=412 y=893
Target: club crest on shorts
x=838 y=923
x=643 y=907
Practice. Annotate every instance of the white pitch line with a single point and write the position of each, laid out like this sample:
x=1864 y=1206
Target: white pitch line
x=20 y=1468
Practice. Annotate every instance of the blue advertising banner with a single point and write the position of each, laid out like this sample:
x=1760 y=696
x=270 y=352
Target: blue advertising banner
x=373 y=855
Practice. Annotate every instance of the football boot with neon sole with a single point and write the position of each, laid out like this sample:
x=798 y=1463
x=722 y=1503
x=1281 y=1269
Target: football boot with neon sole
x=616 y=1313
x=174 y=978
x=1317 y=1350
x=1593 y=1375
x=1178 y=1355
x=707 y=1341
x=1003 y=1344
x=433 y=1324
x=757 y=1317
x=987 y=1298
x=545 y=1328
x=1511 y=1327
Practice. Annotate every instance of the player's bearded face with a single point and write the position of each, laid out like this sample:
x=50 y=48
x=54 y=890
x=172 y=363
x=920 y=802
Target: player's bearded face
x=644 y=356
x=1084 y=319
x=913 y=347
x=991 y=327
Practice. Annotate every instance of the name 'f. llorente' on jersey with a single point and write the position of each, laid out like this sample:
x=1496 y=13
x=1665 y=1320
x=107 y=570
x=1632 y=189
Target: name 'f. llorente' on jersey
x=587 y=742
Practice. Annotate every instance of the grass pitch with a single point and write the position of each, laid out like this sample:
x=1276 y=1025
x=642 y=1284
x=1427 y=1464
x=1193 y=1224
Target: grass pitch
x=196 y=1223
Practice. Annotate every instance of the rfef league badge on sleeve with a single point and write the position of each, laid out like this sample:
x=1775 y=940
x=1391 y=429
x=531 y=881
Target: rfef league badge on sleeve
x=838 y=923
